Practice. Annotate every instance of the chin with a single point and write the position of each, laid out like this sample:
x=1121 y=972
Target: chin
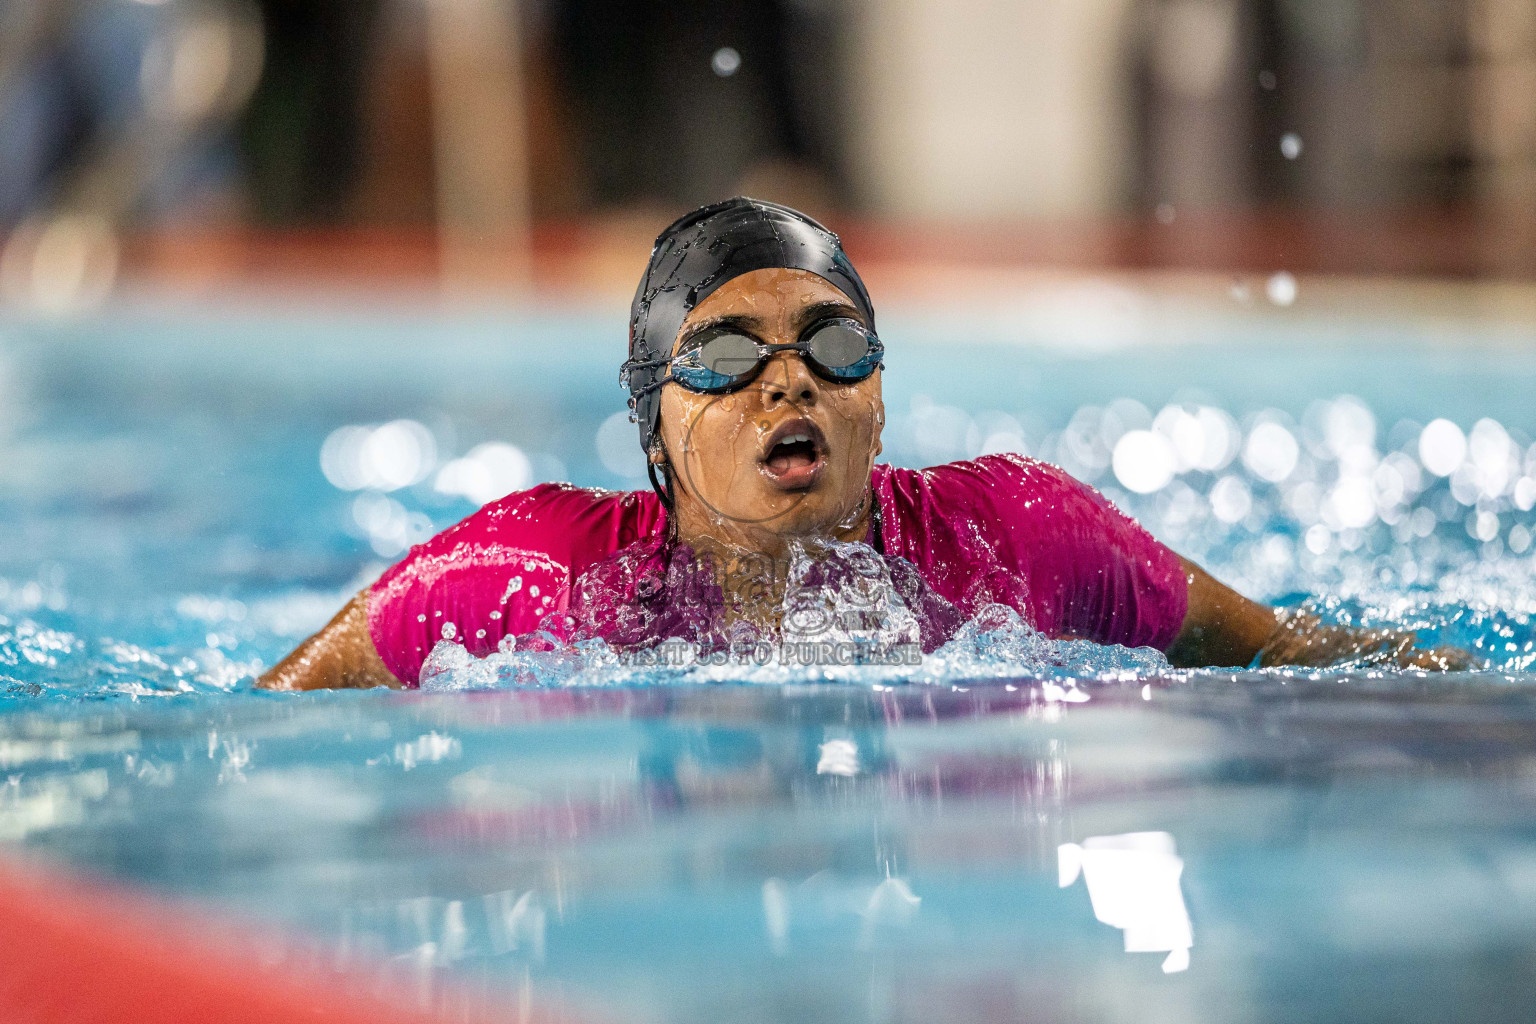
x=811 y=518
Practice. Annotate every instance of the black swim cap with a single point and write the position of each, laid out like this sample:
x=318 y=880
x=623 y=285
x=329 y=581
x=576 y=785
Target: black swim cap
x=702 y=251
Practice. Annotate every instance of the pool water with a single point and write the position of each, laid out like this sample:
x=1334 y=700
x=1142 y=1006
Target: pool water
x=186 y=494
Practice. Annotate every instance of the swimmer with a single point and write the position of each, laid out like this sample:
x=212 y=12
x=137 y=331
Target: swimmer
x=754 y=374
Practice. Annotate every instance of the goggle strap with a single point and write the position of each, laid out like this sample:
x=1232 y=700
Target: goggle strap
x=646 y=389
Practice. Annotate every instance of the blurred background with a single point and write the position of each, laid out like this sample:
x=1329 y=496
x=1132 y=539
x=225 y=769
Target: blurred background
x=289 y=285
x=507 y=146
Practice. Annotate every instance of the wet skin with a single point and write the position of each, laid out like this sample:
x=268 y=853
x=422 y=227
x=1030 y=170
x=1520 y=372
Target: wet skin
x=736 y=495
x=734 y=486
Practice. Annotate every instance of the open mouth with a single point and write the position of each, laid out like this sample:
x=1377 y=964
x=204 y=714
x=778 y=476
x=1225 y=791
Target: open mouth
x=795 y=454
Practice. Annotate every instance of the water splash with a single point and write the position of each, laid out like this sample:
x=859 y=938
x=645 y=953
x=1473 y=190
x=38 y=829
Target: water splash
x=37 y=660
x=995 y=645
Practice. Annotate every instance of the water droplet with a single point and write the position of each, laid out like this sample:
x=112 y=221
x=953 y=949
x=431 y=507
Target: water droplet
x=1290 y=145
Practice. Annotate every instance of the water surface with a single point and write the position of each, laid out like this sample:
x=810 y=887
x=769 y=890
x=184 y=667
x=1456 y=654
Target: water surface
x=1341 y=845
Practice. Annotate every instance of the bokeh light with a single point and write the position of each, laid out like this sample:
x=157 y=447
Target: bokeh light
x=1271 y=451
x=1144 y=461
x=489 y=471
x=202 y=64
x=60 y=264
x=382 y=458
x=618 y=447
x=1281 y=288
x=725 y=62
x=1442 y=447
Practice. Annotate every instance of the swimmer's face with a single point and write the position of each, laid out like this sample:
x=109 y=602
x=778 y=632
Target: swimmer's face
x=738 y=475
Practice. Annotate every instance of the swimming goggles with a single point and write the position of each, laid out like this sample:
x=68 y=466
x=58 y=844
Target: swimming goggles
x=723 y=359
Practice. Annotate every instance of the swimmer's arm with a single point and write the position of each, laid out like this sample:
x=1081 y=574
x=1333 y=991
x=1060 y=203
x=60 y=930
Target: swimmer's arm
x=1222 y=628
x=340 y=655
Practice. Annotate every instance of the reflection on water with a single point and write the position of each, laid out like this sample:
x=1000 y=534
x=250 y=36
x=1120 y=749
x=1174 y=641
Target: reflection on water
x=1347 y=847
x=1354 y=845
x=1133 y=881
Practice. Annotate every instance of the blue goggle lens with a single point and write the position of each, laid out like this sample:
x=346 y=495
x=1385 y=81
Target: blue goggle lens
x=839 y=351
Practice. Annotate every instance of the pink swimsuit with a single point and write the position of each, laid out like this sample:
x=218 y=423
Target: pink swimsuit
x=1001 y=528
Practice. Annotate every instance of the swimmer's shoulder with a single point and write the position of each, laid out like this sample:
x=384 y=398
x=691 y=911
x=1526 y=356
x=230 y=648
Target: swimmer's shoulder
x=996 y=482
x=563 y=518
x=1005 y=498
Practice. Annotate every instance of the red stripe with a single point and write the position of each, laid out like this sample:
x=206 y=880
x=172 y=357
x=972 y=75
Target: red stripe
x=74 y=951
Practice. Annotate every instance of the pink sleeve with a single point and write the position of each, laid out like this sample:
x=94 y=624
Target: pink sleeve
x=1014 y=530
x=1093 y=570
x=499 y=572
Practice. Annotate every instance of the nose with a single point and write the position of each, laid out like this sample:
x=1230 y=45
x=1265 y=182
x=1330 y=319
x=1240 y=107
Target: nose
x=786 y=379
